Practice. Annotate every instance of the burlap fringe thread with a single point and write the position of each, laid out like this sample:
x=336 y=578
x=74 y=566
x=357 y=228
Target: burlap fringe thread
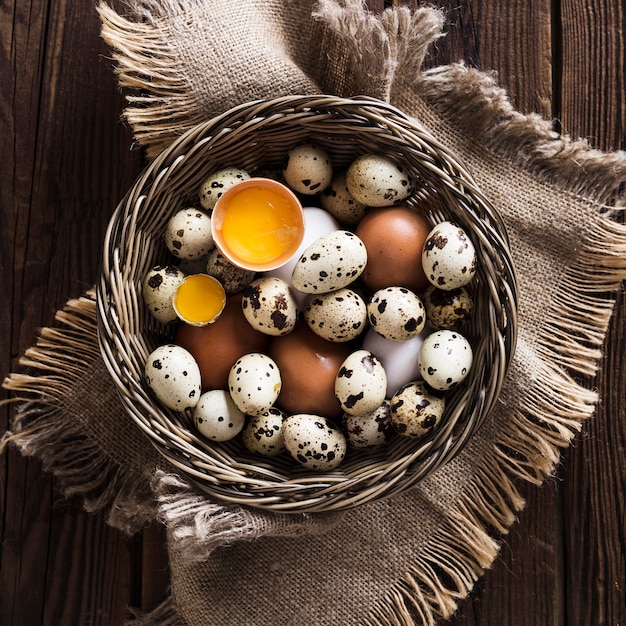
x=459 y=552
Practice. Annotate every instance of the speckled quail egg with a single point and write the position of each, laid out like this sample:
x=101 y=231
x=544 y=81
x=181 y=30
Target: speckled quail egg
x=263 y=433
x=377 y=181
x=331 y=262
x=337 y=316
x=233 y=278
x=450 y=310
x=396 y=313
x=308 y=168
x=399 y=358
x=416 y=410
x=449 y=257
x=173 y=376
x=188 y=234
x=217 y=417
x=217 y=183
x=254 y=383
x=340 y=203
x=158 y=288
x=361 y=383
x=314 y=441
x=370 y=430
x=445 y=359
x=269 y=306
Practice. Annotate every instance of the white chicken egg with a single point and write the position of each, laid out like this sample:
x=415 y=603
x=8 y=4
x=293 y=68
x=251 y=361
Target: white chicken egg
x=188 y=234
x=449 y=257
x=445 y=359
x=314 y=441
x=331 y=262
x=254 y=383
x=361 y=383
x=377 y=181
x=308 y=168
x=158 y=288
x=173 y=375
x=217 y=183
x=399 y=358
x=217 y=417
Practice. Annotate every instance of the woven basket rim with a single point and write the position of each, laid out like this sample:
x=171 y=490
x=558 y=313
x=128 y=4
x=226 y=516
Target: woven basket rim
x=222 y=470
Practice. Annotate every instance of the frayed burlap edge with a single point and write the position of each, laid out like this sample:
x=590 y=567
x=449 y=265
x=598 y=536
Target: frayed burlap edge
x=53 y=368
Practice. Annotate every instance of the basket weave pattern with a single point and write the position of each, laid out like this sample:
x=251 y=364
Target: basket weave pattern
x=256 y=137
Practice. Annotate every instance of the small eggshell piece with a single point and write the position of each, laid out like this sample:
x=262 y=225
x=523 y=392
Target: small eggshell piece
x=445 y=359
x=158 y=288
x=173 y=375
x=396 y=313
x=378 y=181
x=331 y=262
x=269 y=306
x=416 y=410
x=254 y=383
x=314 y=441
x=337 y=316
x=361 y=383
x=263 y=433
x=188 y=234
x=308 y=168
x=217 y=417
x=217 y=183
x=449 y=257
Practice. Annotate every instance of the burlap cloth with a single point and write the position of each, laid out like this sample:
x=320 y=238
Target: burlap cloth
x=412 y=558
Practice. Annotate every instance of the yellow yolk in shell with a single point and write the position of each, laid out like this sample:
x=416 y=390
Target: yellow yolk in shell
x=199 y=299
x=258 y=225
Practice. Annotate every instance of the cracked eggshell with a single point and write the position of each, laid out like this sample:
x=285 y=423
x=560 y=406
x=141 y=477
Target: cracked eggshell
x=337 y=316
x=416 y=410
x=254 y=383
x=331 y=262
x=188 y=234
x=158 y=288
x=308 y=169
x=340 y=203
x=217 y=417
x=263 y=433
x=314 y=441
x=378 y=181
x=396 y=313
x=217 y=183
x=173 y=375
x=449 y=257
x=361 y=383
x=445 y=359
x=371 y=430
x=269 y=306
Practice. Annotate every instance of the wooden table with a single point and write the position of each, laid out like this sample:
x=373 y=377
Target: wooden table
x=65 y=162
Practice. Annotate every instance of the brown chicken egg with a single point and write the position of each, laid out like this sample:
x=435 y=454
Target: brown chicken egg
x=394 y=238
x=217 y=346
x=308 y=365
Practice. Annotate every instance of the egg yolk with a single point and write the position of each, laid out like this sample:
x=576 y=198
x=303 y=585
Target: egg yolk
x=199 y=299
x=260 y=226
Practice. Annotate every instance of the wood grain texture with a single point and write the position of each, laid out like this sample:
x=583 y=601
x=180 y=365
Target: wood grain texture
x=66 y=160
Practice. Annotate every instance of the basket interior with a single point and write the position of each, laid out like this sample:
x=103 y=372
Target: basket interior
x=256 y=137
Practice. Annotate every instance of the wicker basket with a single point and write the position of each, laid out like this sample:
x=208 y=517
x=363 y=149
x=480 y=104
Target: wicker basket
x=260 y=134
